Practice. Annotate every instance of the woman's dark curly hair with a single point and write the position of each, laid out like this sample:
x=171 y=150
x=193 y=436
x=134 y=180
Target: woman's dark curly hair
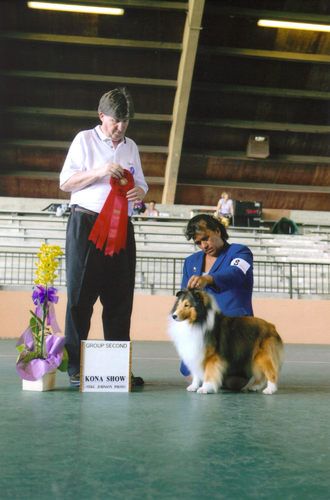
x=201 y=222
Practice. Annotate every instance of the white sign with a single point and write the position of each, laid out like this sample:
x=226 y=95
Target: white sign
x=105 y=366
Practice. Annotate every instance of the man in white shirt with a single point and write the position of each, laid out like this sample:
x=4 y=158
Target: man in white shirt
x=94 y=157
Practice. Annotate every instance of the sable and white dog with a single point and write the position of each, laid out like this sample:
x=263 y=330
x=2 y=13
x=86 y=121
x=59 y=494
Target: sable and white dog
x=214 y=346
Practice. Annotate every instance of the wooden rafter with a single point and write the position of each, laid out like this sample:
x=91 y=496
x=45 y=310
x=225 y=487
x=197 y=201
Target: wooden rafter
x=241 y=155
x=187 y=62
x=89 y=40
x=50 y=144
x=79 y=113
x=55 y=75
x=138 y=4
x=307 y=17
x=266 y=54
x=255 y=185
x=264 y=125
x=263 y=91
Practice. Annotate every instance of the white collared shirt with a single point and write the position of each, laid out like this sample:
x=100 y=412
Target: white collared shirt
x=91 y=149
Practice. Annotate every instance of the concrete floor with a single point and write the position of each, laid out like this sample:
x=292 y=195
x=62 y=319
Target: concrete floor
x=161 y=442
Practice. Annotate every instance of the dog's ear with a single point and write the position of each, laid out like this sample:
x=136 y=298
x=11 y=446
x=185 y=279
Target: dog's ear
x=196 y=292
x=202 y=296
x=179 y=293
x=197 y=298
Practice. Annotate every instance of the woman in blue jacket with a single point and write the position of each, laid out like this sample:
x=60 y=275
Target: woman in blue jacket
x=224 y=270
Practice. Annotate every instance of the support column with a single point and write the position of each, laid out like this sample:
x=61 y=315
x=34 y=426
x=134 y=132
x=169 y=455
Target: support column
x=185 y=73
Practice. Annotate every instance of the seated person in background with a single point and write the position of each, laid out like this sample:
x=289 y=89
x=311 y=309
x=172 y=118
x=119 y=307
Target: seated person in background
x=225 y=209
x=151 y=210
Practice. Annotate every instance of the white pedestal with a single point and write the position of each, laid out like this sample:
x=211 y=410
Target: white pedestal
x=46 y=383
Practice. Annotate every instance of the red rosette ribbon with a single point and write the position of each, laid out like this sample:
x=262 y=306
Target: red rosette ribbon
x=110 y=226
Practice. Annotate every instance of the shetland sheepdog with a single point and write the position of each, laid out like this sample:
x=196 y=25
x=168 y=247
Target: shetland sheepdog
x=214 y=346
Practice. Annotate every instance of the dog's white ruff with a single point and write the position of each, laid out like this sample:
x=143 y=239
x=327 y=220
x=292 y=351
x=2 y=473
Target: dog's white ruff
x=189 y=342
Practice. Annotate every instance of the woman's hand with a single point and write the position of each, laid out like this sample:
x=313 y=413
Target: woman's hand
x=200 y=281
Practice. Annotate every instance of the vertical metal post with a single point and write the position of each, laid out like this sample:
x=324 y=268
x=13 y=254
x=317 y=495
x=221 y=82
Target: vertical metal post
x=174 y=275
x=290 y=281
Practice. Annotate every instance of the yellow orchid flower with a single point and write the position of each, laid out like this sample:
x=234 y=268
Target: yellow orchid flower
x=48 y=261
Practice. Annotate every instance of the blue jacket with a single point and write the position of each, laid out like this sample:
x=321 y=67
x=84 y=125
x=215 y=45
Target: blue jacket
x=233 y=276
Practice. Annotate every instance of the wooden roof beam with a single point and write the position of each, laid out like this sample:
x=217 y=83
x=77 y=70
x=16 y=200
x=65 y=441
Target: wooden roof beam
x=45 y=144
x=138 y=4
x=263 y=91
x=89 y=40
x=55 y=75
x=263 y=125
x=307 y=17
x=266 y=54
x=300 y=188
x=185 y=73
x=34 y=174
x=241 y=155
x=79 y=113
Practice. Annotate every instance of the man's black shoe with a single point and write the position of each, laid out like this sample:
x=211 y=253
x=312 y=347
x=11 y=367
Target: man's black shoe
x=75 y=380
x=137 y=381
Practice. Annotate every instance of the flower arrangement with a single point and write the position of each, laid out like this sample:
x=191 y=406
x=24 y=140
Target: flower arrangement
x=40 y=349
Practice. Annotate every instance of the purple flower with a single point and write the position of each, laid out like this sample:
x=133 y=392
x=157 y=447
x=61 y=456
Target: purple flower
x=41 y=293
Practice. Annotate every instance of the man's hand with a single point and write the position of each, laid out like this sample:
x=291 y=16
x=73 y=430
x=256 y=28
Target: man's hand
x=200 y=281
x=80 y=180
x=114 y=170
x=135 y=194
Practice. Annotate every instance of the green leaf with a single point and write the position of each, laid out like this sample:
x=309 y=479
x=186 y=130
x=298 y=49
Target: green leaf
x=64 y=365
x=28 y=356
x=36 y=318
x=34 y=325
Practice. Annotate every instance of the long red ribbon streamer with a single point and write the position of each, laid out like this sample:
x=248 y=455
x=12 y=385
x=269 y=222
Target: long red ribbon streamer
x=110 y=227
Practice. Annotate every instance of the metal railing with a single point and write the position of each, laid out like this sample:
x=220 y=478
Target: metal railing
x=163 y=275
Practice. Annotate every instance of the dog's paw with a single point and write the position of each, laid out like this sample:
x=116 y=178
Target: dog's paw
x=254 y=385
x=257 y=387
x=270 y=389
x=192 y=388
x=207 y=388
x=202 y=390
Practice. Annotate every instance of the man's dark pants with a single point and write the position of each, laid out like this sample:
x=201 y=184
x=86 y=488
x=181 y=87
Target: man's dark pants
x=91 y=274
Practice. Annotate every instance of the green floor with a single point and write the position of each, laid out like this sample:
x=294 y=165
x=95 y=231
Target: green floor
x=163 y=442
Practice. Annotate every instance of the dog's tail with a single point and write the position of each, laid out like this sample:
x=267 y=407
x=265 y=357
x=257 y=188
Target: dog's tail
x=273 y=345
